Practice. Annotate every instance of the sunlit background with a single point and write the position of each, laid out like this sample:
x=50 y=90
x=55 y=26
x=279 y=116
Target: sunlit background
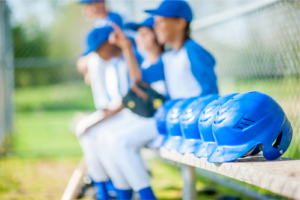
x=42 y=94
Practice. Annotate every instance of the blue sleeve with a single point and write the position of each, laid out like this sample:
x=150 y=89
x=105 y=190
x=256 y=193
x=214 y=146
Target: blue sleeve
x=116 y=18
x=154 y=73
x=202 y=66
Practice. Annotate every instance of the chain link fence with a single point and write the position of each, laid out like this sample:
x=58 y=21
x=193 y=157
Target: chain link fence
x=6 y=74
x=259 y=51
x=45 y=54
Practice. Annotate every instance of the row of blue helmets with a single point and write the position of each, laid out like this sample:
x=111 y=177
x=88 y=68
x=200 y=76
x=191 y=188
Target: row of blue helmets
x=223 y=128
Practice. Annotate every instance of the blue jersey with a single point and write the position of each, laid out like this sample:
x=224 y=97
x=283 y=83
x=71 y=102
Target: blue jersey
x=153 y=73
x=189 y=72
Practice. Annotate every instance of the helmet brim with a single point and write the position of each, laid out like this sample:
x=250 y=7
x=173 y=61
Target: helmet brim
x=205 y=149
x=189 y=146
x=172 y=143
x=158 y=141
x=229 y=153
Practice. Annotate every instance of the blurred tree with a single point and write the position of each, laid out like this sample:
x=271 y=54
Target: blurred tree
x=29 y=45
x=68 y=31
x=37 y=46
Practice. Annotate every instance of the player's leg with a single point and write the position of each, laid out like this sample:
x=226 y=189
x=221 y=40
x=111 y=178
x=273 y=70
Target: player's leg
x=125 y=149
x=94 y=166
x=110 y=127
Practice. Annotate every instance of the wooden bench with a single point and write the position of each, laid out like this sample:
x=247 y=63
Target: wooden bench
x=281 y=176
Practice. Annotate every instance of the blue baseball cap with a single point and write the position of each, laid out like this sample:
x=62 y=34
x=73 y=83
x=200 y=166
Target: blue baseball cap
x=149 y=23
x=173 y=8
x=90 y=1
x=96 y=38
x=115 y=18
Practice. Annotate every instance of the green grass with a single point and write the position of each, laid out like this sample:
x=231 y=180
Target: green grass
x=43 y=119
x=35 y=179
x=71 y=96
x=45 y=134
x=44 y=152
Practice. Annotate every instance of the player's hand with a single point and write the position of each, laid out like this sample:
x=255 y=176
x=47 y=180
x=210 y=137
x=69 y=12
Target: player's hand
x=87 y=79
x=108 y=113
x=140 y=92
x=119 y=38
x=82 y=64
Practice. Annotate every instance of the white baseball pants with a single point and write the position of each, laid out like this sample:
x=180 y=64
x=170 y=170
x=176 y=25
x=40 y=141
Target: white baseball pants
x=124 y=147
x=111 y=149
x=100 y=165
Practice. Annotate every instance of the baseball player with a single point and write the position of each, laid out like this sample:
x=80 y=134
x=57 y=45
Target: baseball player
x=188 y=67
x=147 y=44
x=95 y=10
x=140 y=181
x=97 y=155
x=188 y=72
x=109 y=83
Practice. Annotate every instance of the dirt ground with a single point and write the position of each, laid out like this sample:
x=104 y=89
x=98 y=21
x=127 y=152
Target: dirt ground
x=35 y=179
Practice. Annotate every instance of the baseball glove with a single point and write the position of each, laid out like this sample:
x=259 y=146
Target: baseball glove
x=143 y=100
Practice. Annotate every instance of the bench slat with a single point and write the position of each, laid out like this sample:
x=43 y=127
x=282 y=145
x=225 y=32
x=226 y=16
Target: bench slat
x=281 y=176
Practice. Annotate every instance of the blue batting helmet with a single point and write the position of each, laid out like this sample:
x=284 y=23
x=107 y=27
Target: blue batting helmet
x=247 y=120
x=205 y=126
x=189 y=124
x=160 y=117
x=173 y=124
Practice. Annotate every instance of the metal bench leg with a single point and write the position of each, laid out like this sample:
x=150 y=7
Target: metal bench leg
x=189 y=182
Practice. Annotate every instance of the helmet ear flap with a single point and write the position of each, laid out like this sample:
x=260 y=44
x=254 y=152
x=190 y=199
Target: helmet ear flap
x=277 y=142
x=275 y=148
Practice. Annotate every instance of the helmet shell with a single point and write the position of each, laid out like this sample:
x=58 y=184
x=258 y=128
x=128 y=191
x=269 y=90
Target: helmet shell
x=189 y=123
x=247 y=120
x=205 y=122
x=173 y=124
x=160 y=118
